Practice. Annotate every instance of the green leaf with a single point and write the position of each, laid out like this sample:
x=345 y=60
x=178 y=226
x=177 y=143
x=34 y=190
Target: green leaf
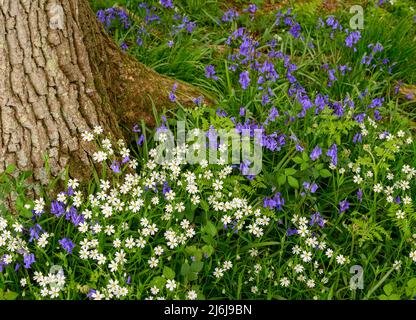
x=412 y=283
x=10 y=168
x=197 y=266
x=388 y=289
x=210 y=228
x=293 y=182
x=204 y=205
x=158 y=282
x=185 y=269
x=168 y=273
x=325 y=173
x=304 y=166
x=9 y=295
x=290 y=171
x=208 y=250
x=281 y=180
x=297 y=160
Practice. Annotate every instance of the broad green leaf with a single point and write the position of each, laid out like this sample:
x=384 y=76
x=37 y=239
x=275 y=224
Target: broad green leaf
x=168 y=273
x=293 y=182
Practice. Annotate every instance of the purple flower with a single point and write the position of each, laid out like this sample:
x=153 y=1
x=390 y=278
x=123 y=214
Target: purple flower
x=244 y=79
x=34 y=232
x=57 y=208
x=333 y=153
x=210 y=72
x=67 y=244
x=360 y=195
x=229 y=15
x=290 y=232
x=316 y=153
x=312 y=187
x=299 y=148
x=221 y=113
x=115 y=166
x=273 y=114
x=275 y=202
x=166 y=3
x=28 y=259
x=357 y=138
x=252 y=8
x=317 y=218
x=172 y=96
x=242 y=112
x=343 y=206
x=166 y=188
x=124 y=46
x=141 y=139
x=352 y=39
x=170 y=43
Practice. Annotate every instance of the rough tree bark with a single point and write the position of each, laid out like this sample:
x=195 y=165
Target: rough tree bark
x=61 y=74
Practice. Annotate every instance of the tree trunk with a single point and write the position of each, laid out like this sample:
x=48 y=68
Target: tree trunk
x=61 y=74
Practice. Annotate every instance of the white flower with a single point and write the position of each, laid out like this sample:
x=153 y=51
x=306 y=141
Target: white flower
x=98 y=130
x=298 y=268
x=154 y=290
x=357 y=179
x=397 y=265
x=306 y=256
x=218 y=272
x=329 y=253
x=99 y=156
x=217 y=185
x=17 y=227
x=341 y=259
x=171 y=285
x=310 y=283
x=303 y=230
x=158 y=250
x=23 y=282
x=87 y=136
x=412 y=255
x=284 y=282
x=192 y=295
x=378 y=188
x=400 y=214
x=153 y=262
x=407 y=200
x=227 y=265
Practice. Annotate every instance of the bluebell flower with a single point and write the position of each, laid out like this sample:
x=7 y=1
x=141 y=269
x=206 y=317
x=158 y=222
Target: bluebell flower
x=343 y=206
x=316 y=153
x=67 y=245
x=210 y=72
x=244 y=79
x=28 y=260
x=172 y=96
x=166 y=3
x=333 y=153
